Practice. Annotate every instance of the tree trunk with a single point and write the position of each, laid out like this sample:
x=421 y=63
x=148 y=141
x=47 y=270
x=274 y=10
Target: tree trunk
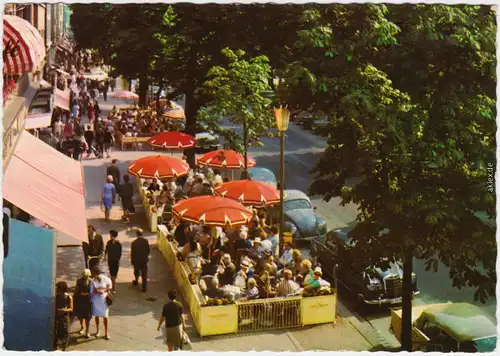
x=406 y=324
x=190 y=111
x=245 y=148
x=143 y=90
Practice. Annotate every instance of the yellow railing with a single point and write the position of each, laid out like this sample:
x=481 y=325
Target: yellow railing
x=152 y=216
x=244 y=316
x=262 y=314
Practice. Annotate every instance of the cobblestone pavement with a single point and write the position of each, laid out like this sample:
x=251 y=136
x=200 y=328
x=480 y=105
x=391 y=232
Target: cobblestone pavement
x=134 y=315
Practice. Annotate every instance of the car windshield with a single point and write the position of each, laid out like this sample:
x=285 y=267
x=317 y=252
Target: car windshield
x=487 y=344
x=297 y=204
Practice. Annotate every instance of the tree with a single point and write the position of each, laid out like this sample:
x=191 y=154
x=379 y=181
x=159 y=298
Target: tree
x=238 y=91
x=409 y=93
x=127 y=37
x=200 y=33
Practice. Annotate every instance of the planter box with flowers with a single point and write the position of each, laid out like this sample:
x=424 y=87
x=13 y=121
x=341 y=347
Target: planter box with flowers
x=217 y=317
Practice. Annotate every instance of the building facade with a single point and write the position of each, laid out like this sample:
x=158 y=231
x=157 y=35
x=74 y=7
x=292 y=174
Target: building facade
x=35 y=40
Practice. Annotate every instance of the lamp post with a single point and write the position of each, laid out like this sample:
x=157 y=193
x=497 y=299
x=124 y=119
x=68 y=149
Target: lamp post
x=282 y=116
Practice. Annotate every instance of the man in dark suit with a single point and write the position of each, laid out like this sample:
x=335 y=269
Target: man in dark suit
x=139 y=258
x=114 y=171
x=94 y=248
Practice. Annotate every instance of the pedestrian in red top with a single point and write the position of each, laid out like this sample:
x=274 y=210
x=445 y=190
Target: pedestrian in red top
x=91 y=113
x=68 y=129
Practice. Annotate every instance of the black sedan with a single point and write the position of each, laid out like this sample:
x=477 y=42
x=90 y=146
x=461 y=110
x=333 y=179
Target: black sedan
x=373 y=286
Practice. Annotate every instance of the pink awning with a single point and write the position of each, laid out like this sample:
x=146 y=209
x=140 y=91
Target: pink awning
x=61 y=98
x=37 y=121
x=48 y=185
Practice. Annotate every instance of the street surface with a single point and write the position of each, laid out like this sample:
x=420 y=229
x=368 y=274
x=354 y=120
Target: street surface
x=134 y=315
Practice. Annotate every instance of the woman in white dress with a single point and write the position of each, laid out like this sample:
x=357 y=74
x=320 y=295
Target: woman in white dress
x=99 y=288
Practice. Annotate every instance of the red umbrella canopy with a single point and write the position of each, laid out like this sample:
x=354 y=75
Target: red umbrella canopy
x=250 y=192
x=158 y=167
x=172 y=140
x=225 y=159
x=212 y=211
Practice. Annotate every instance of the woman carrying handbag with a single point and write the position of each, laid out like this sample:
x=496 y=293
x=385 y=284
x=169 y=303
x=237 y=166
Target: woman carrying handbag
x=100 y=291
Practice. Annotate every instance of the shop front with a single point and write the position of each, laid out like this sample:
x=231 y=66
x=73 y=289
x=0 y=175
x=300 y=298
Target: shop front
x=46 y=185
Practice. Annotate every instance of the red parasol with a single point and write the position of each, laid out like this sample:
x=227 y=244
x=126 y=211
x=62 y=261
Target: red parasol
x=225 y=159
x=158 y=167
x=124 y=94
x=172 y=140
x=250 y=192
x=212 y=211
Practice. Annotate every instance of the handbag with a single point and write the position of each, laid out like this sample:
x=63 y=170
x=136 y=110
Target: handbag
x=185 y=341
x=109 y=299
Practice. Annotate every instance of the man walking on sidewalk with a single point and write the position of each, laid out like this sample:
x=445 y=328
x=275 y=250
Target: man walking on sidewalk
x=94 y=248
x=139 y=258
x=114 y=171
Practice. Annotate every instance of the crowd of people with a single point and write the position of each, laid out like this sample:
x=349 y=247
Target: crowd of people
x=227 y=262
x=70 y=135
x=136 y=122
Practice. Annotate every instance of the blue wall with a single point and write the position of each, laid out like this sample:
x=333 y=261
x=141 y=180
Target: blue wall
x=28 y=288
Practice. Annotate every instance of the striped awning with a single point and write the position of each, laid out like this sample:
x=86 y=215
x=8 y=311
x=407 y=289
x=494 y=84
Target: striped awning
x=26 y=47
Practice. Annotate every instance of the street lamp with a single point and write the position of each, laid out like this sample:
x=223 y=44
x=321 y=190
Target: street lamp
x=282 y=116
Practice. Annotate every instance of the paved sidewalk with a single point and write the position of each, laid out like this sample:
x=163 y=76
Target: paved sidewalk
x=134 y=315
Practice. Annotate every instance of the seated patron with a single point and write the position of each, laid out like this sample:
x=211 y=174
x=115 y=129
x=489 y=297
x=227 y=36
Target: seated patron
x=154 y=186
x=314 y=283
x=252 y=291
x=213 y=290
x=287 y=286
x=227 y=272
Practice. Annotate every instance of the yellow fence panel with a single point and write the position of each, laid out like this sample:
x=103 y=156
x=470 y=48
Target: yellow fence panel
x=318 y=310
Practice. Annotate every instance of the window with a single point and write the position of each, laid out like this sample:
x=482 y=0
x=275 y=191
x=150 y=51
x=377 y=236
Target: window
x=439 y=336
x=297 y=204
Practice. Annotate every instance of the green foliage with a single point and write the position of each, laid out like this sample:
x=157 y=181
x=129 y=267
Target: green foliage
x=409 y=91
x=237 y=91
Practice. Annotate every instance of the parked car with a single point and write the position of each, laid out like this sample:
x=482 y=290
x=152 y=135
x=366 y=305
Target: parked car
x=374 y=285
x=321 y=127
x=300 y=216
x=261 y=174
x=448 y=327
x=206 y=140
